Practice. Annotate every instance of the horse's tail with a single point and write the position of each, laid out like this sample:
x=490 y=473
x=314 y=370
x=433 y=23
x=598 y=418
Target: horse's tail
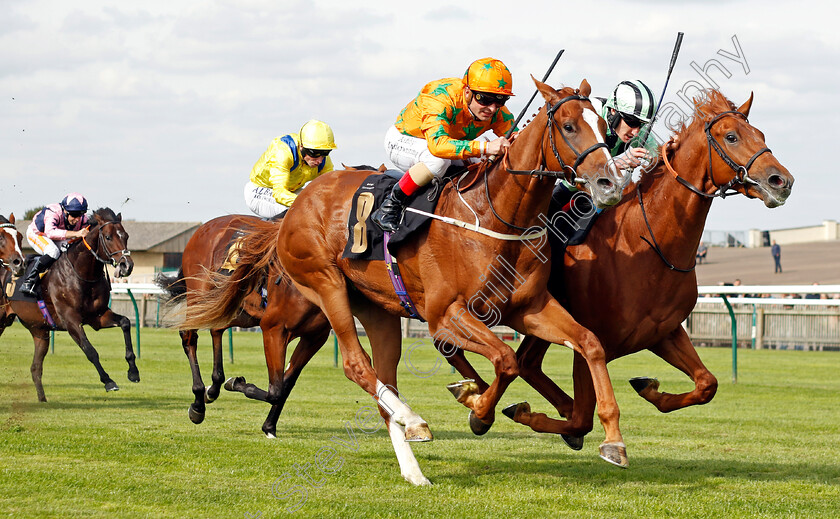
x=217 y=307
x=174 y=286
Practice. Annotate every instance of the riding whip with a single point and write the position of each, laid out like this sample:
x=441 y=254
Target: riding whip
x=548 y=73
x=643 y=135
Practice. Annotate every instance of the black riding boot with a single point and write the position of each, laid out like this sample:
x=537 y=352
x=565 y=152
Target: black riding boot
x=389 y=214
x=39 y=265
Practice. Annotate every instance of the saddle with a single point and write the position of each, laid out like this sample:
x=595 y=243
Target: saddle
x=366 y=239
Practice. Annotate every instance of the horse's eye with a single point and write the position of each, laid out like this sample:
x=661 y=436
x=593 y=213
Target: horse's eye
x=731 y=138
x=568 y=128
x=108 y=238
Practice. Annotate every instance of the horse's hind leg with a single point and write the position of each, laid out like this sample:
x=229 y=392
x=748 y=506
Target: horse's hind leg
x=189 y=341
x=678 y=351
x=110 y=319
x=306 y=348
x=42 y=343
x=385 y=339
x=211 y=393
x=78 y=334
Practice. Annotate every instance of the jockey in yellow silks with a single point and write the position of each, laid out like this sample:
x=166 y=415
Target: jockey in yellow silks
x=444 y=123
x=289 y=163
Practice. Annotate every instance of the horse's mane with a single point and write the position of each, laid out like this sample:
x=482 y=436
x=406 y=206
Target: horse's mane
x=105 y=214
x=706 y=105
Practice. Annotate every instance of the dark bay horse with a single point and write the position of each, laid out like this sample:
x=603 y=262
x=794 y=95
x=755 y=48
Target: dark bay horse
x=632 y=282
x=76 y=291
x=287 y=315
x=451 y=295
x=11 y=256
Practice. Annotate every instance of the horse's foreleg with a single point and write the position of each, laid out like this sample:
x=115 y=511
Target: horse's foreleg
x=554 y=324
x=530 y=355
x=74 y=328
x=189 y=341
x=678 y=351
x=42 y=344
x=456 y=358
x=473 y=335
x=110 y=319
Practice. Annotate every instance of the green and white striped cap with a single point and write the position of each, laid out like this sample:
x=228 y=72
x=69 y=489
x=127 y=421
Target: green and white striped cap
x=633 y=98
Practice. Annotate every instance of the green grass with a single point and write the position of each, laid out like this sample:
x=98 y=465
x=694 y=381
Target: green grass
x=765 y=447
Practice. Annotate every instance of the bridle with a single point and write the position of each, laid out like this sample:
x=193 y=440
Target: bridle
x=3 y=263
x=543 y=171
x=741 y=178
x=109 y=254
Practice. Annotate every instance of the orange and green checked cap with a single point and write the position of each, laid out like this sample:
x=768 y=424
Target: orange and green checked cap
x=489 y=75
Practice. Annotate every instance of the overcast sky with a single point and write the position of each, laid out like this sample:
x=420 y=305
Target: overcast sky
x=159 y=109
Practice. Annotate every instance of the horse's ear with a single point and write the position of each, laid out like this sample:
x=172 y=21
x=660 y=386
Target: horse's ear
x=547 y=92
x=585 y=89
x=382 y=168
x=119 y=217
x=11 y=217
x=745 y=108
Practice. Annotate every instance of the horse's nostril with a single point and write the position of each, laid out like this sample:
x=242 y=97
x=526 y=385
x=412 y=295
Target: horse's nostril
x=605 y=183
x=776 y=181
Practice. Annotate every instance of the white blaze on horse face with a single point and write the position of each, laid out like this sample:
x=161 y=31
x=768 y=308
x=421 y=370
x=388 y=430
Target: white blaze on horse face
x=592 y=119
x=13 y=234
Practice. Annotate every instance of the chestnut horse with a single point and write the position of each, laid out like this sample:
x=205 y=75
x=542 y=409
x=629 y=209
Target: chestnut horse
x=11 y=257
x=287 y=315
x=451 y=293
x=76 y=291
x=637 y=265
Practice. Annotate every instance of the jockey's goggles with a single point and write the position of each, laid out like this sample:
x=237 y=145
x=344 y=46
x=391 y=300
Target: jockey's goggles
x=485 y=99
x=631 y=121
x=317 y=154
x=75 y=214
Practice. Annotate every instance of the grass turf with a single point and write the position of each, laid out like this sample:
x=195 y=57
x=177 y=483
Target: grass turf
x=764 y=447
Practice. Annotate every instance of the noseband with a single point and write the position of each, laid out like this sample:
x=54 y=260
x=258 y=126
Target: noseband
x=110 y=255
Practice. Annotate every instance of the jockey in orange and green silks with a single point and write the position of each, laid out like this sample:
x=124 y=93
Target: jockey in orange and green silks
x=443 y=123
x=289 y=163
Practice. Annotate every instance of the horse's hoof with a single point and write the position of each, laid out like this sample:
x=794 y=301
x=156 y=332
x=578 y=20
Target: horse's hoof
x=642 y=383
x=418 y=480
x=133 y=375
x=418 y=433
x=478 y=427
x=208 y=398
x=615 y=453
x=510 y=411
x=195 y=416
x=462 y=389
x=232 y=382
x=270 y=432
x=576 y=443
x=111 y=386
